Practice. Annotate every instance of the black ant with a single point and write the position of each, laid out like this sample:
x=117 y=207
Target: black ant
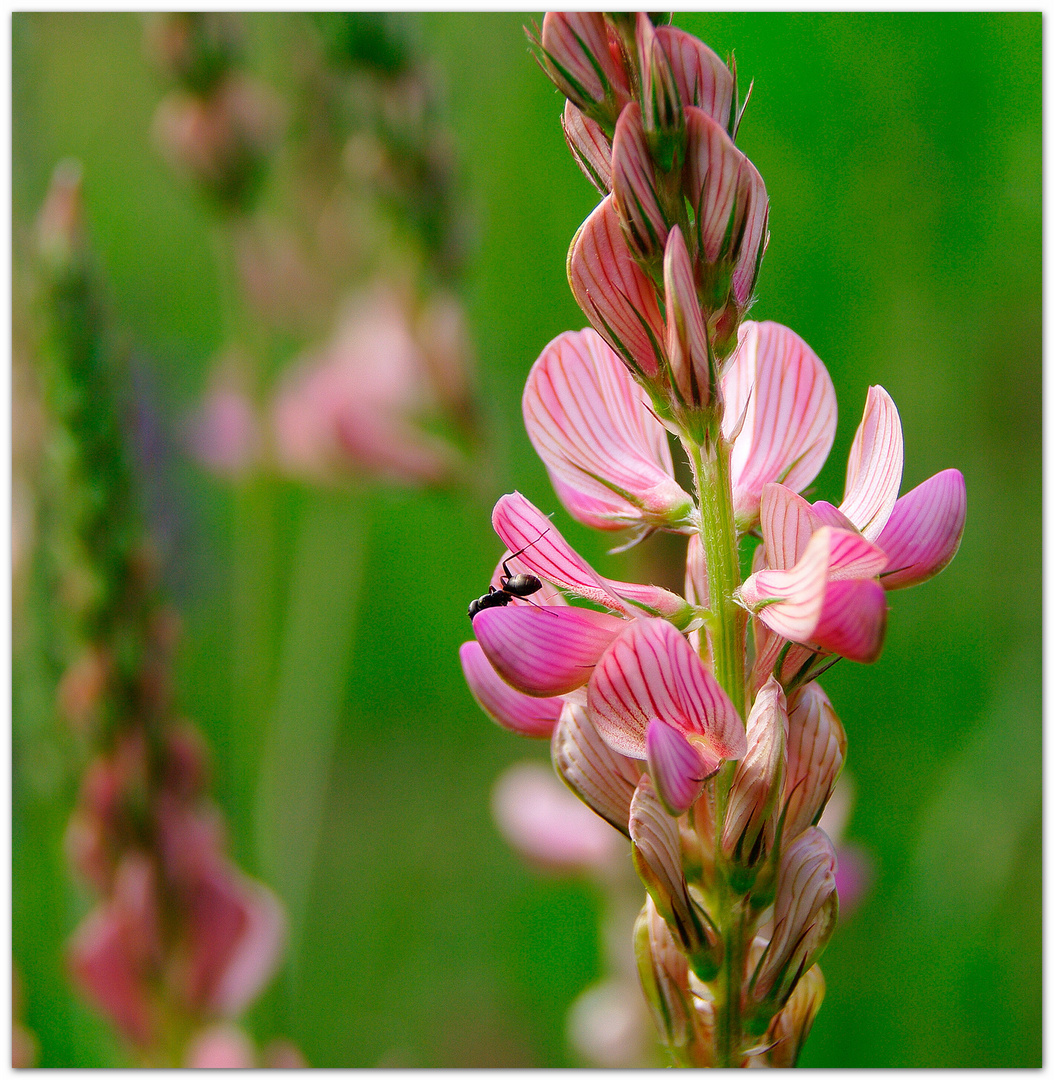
x=512 y=586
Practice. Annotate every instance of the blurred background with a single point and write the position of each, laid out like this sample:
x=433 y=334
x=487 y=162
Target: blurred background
x=902 y=157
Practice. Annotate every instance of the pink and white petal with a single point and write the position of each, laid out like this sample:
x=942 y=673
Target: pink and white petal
x=609 y=514
x=702 y=79
x=787 y=524
x=546 y=553
x=545 y=652
x=790 y=413
x=547 y=596
x=676 y=766
x=653 y=598
x=590 y=146
x=876 y=464
x=634 y=185
x=617 y=296
x=533 y=717
x=829 y=514
x=923 y=533
x=712 y=167
x=792 y=599
x=853 y=622
x=853 y=557
x=632 y=685
x=589 y=423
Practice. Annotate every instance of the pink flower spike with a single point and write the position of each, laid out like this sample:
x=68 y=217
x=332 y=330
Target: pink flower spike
x=617 y=296
x=533 y=717
x=782 y=392
x=590 y=146
x=677 y=768
x=702 y=79
x=651 y=672
x=589 y=422
x=545 y=652
x=876 y=464
x=923 y=533
x=635 y=188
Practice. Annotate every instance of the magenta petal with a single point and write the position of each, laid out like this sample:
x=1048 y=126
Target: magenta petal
x=853 y=557
x=876 y=464
x=589 y=145
x=831 y=515
x=777 y=386
x=853 y=622
x=589 y=422
x=702 y=79
x=677 y=769
x=617 y=296
x=534 y=717
x=544 y=652
x=922 y=534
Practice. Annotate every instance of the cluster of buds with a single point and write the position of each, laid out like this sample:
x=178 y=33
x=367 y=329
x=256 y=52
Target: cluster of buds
x=694 y=724
x=178 y=936
x=217 y=126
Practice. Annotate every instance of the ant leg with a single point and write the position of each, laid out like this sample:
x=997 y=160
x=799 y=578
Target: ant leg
x=541 y=607
x=515 y=554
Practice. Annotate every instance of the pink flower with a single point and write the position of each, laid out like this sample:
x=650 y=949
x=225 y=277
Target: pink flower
x=540 y=817
x=651 y=697
x=520 y=713
x=579 y=56
x=607 y=455
x=355 y=406
x=222 y=433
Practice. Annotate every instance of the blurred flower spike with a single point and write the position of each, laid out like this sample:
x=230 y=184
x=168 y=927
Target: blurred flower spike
x=694 y=724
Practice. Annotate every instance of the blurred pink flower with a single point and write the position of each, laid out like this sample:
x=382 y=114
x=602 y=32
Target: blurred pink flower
x=547 y=824
x=223 y=1046
x=355 y=406
x=222 y=433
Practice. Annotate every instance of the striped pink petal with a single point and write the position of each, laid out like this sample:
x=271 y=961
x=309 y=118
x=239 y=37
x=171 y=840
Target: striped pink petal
x=779 y=388
x=922 y=534
x=751 y=227
x=658 y=88
x=876 y=464
x=650 y=672
x=787 y=524
x=589 y=145
x=702 y=78
x=711 y=180
x=534 y=717
x=853 y=557
x=853 y=621
x=547 y=596
x=635 y=188
x=677 y=768
x=589 y=423
x=617 y=296
x=687 y=345
x=831 y=515
x=545 y=652
x=579 y=59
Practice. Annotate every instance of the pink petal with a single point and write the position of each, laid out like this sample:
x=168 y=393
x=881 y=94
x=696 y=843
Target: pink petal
x=222 y=1046
x=787 y=524
x=702 y=79
x=831 y=515
x=922 y=534
x=533 y=717
x=649 y=673
x=751 y=225
x=580 y=61
x=788 y=399
x=634 y=186
x=616 y=295
x=677 y=767
x=876 y=464
x=544 y=652
x=590 y=146
x=687 y=345
x=547 y=596
x=588 y=421
x=853 y=557
x=853 y=622
x=798 y=592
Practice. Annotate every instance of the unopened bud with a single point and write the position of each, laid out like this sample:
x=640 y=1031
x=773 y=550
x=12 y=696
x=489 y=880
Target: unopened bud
x=635 y=187
x=692 y=367
x=816 y=746
x=663 y=113
x=590 y=145
x=663 y=971
x=583 y=61
x=749 y=829
x=790 y=1028
x=804 y=918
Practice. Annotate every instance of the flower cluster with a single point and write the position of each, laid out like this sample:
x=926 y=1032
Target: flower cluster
x=694 y=724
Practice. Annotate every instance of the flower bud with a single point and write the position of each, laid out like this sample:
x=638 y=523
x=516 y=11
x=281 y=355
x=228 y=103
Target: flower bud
x=579 y=56
x=804 y=918
x=692 y=367
x=663 y=114
x=635 y=188
x=816 y=746
x=600 y=777
x=590 y=145
x=790 y=1028
x=749 y=830
x=663 y=971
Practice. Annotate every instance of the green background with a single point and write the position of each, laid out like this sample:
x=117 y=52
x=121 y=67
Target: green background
x=902 y=157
